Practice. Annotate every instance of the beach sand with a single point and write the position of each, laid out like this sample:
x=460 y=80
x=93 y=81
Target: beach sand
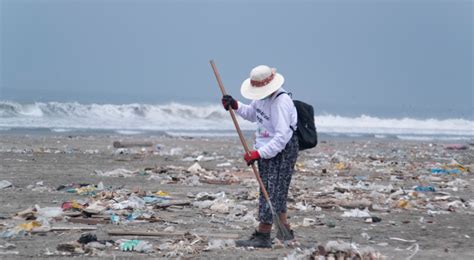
x=351 y=170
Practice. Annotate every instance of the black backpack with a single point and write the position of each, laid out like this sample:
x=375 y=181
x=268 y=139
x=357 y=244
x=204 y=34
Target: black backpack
x=306 y=130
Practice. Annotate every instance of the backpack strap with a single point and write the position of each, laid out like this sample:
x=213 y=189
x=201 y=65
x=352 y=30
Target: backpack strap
x=291 y=96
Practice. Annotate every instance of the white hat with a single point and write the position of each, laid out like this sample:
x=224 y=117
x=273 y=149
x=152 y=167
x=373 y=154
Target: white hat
x=263 y=81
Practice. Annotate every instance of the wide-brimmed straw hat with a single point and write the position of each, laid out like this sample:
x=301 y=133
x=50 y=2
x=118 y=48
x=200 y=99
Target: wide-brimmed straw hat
x=263 y=81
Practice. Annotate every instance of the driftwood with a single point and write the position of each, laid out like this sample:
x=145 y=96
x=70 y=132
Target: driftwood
x=121 y=144
x=170 y=203
x=218 y=182
x=61 y=228
x=331 y=202
x=88 y=221
x=72 y=214
x=162 y=233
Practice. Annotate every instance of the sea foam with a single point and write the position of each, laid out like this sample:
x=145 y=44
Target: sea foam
x=175 y=118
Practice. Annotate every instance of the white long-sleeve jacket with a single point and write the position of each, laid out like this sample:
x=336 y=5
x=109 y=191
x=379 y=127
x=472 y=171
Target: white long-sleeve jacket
x=274 y=116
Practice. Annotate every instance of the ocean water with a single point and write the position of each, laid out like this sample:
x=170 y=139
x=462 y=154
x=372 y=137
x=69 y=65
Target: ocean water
x=208 y=120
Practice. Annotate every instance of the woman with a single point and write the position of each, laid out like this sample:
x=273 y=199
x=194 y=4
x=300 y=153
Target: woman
x=275 y=148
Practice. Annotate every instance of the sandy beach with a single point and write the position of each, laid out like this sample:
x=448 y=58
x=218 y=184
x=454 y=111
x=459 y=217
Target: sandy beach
x=369 y=179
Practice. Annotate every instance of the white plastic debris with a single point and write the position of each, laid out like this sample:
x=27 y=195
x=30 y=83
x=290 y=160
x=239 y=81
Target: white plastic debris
x=302 y=206
x=195 y=168
x=49 y=212
x=5 y=184
x=340 y=246
x=308 y=222
x=144 y=247
x=175 y=151
x=141 y=246
x=220 y=206
x=192 y=181
x=226 y=164
x=95 y=208
x=215 y=244
x=100 y=186
x=356 y=213
x=115 y=173
x=133 y=202
x=170 y=229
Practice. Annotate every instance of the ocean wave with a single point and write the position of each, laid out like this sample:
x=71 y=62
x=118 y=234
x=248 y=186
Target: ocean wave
x=175 y=117
x=61 y=130
x=381 y=126
x=433 y=137
x=128 y=132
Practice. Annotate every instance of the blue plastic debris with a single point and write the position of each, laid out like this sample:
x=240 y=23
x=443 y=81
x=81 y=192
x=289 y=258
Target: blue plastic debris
x=425 y=188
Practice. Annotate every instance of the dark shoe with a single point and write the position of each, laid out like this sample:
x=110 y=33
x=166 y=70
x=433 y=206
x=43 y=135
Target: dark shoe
x=291 y=236
x=257 y=239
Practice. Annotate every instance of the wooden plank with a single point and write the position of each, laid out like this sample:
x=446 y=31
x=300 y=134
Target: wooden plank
x=66 y=228
x=72 y=214
x=218 y=182
x=162 y=233
x=62 y=228
x=332 y=202
x=119 y=144
x=172 y=203
x=88 y=221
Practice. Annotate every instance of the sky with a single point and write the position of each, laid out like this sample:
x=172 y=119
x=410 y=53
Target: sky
x=390 y=58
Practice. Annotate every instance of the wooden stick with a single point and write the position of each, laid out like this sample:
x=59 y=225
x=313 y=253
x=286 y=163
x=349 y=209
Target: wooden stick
x=88 y=221
x=162 y=233
x=172 y=203
x=64 y=228
x=123 y=144
x=239 y=132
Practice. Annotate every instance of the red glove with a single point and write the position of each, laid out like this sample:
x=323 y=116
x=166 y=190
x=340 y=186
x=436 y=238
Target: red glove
x=254 y=155
x=229 y=101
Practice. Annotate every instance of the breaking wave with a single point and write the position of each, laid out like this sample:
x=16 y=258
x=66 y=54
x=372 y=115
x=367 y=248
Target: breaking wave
x=133 y=118
x=382 y=126
x=63 y=116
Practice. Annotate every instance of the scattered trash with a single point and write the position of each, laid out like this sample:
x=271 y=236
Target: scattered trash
x=20 y=230
x=188 y=244
x=451 y=168
x=39 y=187
x=337 y=250
x=333 y=188
x=135 y=245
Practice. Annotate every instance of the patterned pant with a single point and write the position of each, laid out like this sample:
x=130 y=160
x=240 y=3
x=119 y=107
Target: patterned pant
x=276 y=175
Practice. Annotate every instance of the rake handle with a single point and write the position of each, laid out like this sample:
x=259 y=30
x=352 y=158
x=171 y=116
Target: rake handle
x=239 y=132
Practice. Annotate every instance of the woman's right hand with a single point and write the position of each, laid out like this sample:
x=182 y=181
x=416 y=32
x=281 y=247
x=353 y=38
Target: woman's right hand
x=229 y=101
